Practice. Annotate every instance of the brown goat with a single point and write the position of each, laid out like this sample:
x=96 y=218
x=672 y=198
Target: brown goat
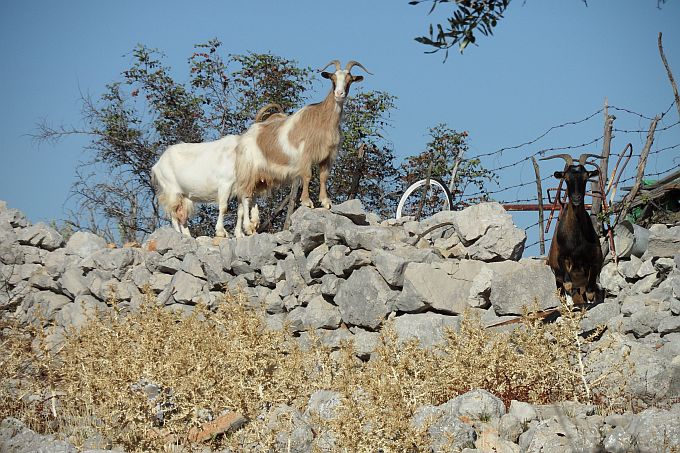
x=575 y=253
x=284 y=147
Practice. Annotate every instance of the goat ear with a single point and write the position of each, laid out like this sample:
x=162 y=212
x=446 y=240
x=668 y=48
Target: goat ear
x=357 y=78
x=559 y=174
x=593 y=173
x=326 y=75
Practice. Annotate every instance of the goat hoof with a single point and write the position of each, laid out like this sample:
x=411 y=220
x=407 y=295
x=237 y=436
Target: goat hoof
x=307 y=203
x=220 y=234
x=326 y=203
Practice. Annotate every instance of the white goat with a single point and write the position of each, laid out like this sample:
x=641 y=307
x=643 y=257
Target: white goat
x=284 y=147
x=198 y=172
x=203 y=172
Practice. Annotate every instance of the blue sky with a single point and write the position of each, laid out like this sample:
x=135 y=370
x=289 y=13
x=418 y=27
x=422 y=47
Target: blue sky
x=549 y=62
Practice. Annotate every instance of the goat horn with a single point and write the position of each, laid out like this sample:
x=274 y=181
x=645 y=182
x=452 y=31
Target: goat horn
x=259 y=116
x=582 y=159
x=566 y=157
x=352 y=63
x=335 y=62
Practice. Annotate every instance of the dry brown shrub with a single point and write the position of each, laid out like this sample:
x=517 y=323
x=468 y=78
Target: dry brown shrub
x=225 y=359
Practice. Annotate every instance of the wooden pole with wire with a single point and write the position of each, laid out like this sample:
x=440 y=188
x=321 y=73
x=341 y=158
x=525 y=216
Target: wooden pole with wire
x=539 y=189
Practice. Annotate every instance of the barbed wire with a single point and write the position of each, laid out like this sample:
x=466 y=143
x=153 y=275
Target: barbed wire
x=530 y=142
x=667 y=171
x=622 y=109
x=500 y=168
x=639 y=131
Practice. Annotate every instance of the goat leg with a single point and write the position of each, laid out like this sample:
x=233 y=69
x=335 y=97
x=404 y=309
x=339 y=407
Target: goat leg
x=324 y=170
x=304 y=197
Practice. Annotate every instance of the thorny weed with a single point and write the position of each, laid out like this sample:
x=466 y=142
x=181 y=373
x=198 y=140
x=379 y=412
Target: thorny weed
x=224 y=358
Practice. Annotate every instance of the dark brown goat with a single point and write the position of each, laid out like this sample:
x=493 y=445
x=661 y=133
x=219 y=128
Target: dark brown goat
x=575 y=253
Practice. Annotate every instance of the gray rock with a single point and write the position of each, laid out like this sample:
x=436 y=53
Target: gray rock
x=78 y=313
x=523 y=287
x=192 y=266
x=187 y=289
x=510 y=428
x=257 y=250
x=365 y=342
x=363 y=298
x=159 y=282
x=564 y=409
x=669 y=324
x=445 y=288
x=488 y=232
x=611 y=280
x=369 y=237
x=272 y=273
x=41 y=306
x=15 y=437
x=599 y=315
x=312 y=227
x=331 y=339
x=447 y=432
x=321 y=315
x=353 y=210
x=166 y=238
x=139 y=275
x=292 y=431
x=14 y=217
x=620 y=441
x=335 y=260
x=663 y=242
x=40 y=279
x=323 y=404
x=630 y=267
x=664 y=265
x=213 y=266
x=645 y=321
x=428 y=328
x=41 y=235
x=32 y=254
x=645 y=284
x=646 y=268
x=56 y=262
x=314 y=259
x=10 y=253
x=293 y=274
x=562 y=434
x=476 y=404
x=84 y=244
x=74 y=283
x=273 y=303
x=642 y=372
x=390 y=265
x=651 y=430
x=524 y=412
x=117 y=261
x=329 y=285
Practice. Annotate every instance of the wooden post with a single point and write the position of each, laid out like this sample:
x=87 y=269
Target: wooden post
x=424 y=192
x=640 y=170
x=294 y=187
x=539 y=189
x=670 y=76
x=604 y=168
